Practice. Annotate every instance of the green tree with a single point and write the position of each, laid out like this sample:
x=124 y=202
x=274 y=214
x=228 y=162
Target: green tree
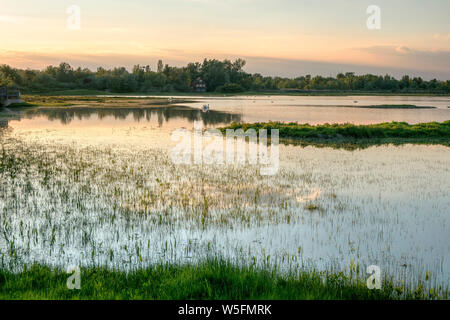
x=160 y=66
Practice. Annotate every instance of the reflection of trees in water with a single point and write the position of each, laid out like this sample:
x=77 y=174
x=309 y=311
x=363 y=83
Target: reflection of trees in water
x=7 y=115
x=3 y=123
x=66 y=115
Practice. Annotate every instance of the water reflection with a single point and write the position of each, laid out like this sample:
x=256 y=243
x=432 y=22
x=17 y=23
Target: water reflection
x=7 y=115
x=100 y=187
x=162 y=114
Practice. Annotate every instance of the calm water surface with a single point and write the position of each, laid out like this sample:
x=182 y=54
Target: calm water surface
x=116 y=190
x=318 y=110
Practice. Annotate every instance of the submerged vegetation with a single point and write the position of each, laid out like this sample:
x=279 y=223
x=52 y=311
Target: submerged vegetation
x=142 y=227
x=392 y=106
x=206 y=280
x=350 y=134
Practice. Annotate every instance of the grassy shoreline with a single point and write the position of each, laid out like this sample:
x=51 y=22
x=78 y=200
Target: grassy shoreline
x=84 y=99
x=210 y=280
x=94 y=101
x=390 y=106
x=82 y=92
x=351 y=136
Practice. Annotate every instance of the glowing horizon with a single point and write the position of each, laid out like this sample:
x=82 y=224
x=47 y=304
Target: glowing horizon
x=283 y=37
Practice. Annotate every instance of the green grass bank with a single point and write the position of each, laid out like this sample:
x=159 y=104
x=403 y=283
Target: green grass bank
x=209 y=280
x=357 y=135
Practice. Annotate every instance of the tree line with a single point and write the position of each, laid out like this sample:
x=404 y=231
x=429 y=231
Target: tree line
x=220 y=76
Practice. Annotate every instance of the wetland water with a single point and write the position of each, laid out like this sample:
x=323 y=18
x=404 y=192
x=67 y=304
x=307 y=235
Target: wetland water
x=96 y=186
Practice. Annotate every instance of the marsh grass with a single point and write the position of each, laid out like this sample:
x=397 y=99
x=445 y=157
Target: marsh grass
x=350 y=136
x=391 y=106
x=213 y=279
x=118 y=210
x=94 y=101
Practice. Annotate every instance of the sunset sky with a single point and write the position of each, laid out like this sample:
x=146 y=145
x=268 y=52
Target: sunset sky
x=282 y=37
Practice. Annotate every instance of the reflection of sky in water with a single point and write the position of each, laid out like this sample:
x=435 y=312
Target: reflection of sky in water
x=307 y=109
x=386 y=205
x=319 y=110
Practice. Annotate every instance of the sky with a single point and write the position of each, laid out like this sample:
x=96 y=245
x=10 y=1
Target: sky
x=278 y=37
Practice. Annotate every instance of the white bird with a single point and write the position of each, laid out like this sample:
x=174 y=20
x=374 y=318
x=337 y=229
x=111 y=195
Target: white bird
x=312 y=196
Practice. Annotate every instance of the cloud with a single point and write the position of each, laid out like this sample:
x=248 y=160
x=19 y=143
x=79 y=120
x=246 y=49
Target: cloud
x=39 y=60
x=13 y=19
x=405 y=57
x=294 y=68
x=403 y=50
x=439 y=36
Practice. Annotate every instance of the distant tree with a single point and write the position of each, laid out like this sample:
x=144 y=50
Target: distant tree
x=223 y=76
x=160 y=66
x=230 y=88
x=64 y=73
x=9 y=76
